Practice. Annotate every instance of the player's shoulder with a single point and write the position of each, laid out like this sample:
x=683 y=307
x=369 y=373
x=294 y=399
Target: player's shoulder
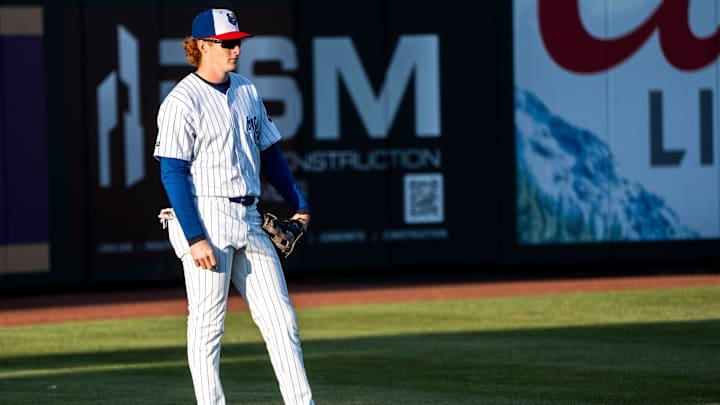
x=239 y=80
x=243 y=85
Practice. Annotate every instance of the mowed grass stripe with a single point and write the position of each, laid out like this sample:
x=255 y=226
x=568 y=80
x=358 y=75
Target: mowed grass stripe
x=653 y=346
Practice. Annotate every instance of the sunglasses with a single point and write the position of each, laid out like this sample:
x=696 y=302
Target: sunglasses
x=227 y=44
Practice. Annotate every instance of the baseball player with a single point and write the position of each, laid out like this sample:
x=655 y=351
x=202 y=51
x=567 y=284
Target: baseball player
x=214 y=142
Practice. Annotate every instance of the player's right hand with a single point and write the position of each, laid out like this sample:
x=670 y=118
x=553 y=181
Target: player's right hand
x=203 y=255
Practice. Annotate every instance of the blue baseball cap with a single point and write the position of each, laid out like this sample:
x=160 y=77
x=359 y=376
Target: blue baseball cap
x=217 y=23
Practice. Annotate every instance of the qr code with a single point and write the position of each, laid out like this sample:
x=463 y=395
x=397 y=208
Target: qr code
x=424 y=198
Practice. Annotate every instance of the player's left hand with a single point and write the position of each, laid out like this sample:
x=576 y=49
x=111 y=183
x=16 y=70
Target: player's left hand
x=285 y=233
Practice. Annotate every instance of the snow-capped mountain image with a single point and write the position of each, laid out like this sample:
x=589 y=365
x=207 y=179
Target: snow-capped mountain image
x=570 y=189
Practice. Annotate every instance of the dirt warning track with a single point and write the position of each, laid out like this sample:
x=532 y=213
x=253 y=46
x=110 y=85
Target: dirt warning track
x=15 y=311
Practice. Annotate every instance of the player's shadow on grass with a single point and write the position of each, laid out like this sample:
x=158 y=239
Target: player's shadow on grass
x=658 y=363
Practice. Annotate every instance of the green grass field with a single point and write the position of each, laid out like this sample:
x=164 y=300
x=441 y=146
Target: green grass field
x=640 y=347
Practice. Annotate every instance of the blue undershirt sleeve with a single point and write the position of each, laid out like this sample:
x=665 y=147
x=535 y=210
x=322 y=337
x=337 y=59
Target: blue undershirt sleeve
x=174 y=176
x=275 y=169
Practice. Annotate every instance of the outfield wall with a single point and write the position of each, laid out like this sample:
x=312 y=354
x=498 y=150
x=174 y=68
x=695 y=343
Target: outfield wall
x=422 y=134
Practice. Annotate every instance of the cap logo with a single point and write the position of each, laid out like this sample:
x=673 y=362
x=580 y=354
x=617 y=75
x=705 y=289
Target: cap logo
x=231 y=19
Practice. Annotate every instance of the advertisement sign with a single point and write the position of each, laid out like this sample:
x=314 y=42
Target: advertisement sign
x=367 y=117
x=616 y=124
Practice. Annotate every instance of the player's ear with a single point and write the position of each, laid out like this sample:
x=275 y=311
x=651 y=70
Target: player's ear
x=202 y=46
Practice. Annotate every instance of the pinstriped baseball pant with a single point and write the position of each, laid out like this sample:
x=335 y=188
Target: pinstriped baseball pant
x=257 y=274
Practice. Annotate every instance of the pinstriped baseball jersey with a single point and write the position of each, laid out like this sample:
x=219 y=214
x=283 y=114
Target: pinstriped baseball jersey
x=194 y=124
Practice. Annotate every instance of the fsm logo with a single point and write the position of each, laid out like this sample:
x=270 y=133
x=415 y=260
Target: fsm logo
x=414 y=62
x=108 y=113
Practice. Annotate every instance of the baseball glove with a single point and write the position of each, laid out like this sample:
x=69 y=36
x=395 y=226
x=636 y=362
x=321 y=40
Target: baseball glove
x=284 y=233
